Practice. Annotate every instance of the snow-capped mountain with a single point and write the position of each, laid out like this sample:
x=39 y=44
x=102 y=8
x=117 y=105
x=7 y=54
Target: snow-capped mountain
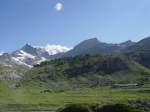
x=54 y=49
x=30 y=55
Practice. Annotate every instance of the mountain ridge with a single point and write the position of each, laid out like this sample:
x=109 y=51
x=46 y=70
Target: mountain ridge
x=94 y=46
x=30 y=55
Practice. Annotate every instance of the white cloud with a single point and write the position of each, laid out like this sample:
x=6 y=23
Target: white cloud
x=1 y=53
x=58 y=6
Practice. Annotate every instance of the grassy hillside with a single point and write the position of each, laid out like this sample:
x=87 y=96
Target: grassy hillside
x=86 y=71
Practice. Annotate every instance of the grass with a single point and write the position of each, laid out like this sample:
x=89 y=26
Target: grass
x=33 y=98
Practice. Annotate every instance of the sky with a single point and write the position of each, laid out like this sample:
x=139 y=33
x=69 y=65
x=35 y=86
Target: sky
x=68 y=22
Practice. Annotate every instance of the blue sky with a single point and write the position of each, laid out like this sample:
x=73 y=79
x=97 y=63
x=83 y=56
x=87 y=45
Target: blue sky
x=37 y=22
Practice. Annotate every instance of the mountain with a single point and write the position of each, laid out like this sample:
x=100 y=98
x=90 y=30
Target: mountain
x=93 y=63
x=29 y=55
x=140 y=51
x=90 y=63
x=126 y=44
x=143 y=44
x=94 y=46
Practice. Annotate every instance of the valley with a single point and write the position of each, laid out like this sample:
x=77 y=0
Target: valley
x=100 y=74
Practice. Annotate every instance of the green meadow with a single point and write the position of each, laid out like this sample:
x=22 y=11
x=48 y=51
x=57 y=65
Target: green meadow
x=33 y=99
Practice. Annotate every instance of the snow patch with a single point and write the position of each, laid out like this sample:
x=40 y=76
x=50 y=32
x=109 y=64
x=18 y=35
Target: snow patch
x=54 y=49
x=23 y=54
x=42 y=59
x=20 y=61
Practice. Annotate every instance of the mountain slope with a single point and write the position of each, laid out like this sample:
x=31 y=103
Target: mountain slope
x=140 y=52
x=12 y=73
x=6 y=60
x=85 y=71
x=143 y=44
x=94 y=46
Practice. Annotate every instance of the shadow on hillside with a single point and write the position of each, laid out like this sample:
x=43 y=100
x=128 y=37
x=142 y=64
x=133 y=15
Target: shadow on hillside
x=107 y=108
